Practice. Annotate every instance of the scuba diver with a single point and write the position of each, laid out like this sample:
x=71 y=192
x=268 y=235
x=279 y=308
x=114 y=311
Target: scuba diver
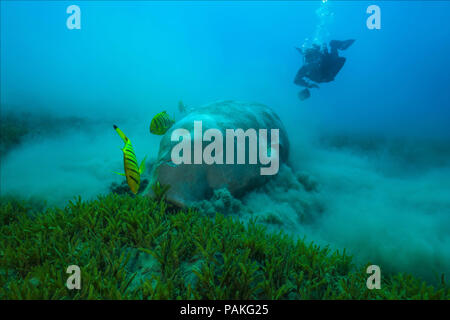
x=320 y=65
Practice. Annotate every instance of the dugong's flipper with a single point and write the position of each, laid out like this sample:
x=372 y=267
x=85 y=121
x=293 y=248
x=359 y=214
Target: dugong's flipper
x=341 y=45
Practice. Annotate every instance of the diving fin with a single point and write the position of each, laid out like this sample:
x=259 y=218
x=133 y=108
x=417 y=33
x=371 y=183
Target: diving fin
x=341 y=45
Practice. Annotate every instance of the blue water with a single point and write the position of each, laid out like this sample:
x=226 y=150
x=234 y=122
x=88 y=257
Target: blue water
x=131 y=60
x=146 y=53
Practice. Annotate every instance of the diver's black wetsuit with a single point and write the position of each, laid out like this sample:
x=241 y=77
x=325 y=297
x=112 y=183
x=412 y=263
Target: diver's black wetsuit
x=320 y=65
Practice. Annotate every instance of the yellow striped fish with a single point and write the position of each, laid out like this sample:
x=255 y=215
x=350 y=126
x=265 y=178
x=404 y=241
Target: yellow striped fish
x=161 y=123
x=132 y=171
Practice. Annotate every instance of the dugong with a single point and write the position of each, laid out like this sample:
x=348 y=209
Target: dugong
x=194 y=182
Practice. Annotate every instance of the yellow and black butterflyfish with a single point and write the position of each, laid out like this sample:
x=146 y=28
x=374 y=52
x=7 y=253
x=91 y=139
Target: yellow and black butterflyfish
x=132 y=170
